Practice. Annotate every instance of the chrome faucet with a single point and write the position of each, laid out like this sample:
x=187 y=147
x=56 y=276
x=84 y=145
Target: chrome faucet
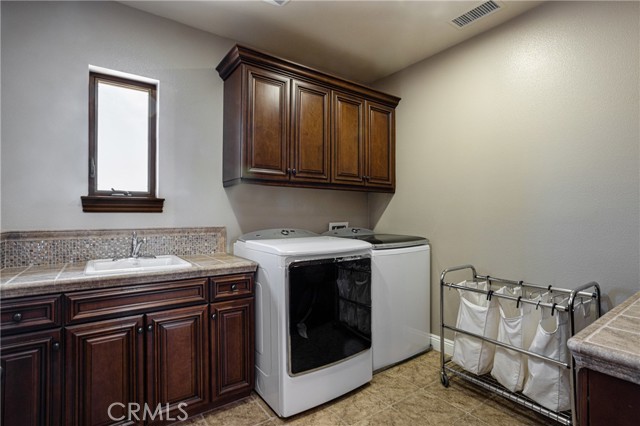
x=136 y=244
x=135 y=249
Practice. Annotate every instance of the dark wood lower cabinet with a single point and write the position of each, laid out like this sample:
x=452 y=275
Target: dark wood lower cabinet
x=178 y=361
x=107 y=362
x=31 y=372
x=104 y=371
x=232 y=350
x=605 y=400
x=161 y=365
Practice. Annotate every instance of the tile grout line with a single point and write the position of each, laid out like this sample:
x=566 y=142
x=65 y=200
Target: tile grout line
x=328 y=415
x=255 y=401
x=64 y=267
x=19 y=274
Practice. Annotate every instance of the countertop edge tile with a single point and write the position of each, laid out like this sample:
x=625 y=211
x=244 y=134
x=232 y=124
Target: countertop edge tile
x=70 y=277
x=609 y=366
x=595 y=347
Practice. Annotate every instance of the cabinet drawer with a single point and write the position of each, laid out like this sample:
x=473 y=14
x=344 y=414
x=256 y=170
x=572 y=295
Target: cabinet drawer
x=230 y=287
x=30 y=313
x=98 y=304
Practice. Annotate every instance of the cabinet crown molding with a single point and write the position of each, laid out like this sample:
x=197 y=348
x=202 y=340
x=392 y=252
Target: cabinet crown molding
x=244 y=55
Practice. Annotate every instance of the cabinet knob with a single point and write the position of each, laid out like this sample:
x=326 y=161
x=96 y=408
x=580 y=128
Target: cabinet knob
x=234 y=287
x=213 y=316
x=294 y=171
x=288 y=170
x=140 y=330
x=56 y=346
x=150 y=327
x=17 y=317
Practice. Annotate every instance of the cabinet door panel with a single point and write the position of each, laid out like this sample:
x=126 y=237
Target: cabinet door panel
x=607 y=400
x=31 y=369
x=267 y=133
x=234 y=347
x=103 y=367
x=348 y=139
x=177 y=359
x=311 y=105
x=380 y=157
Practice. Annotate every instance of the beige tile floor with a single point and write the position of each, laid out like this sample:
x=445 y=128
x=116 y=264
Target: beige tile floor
x=409 y=394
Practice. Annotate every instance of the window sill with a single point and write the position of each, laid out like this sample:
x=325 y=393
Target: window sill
x=117 y=204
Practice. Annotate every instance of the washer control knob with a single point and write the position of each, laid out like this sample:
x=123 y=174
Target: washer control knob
x=284 y=232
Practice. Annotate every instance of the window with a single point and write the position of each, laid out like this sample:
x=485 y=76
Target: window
x=122 y=145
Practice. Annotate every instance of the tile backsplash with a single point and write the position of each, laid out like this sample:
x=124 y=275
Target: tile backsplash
x=55 y=247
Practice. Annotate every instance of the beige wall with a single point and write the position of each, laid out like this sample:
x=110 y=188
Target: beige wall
x=46 y=51
x=518 y=151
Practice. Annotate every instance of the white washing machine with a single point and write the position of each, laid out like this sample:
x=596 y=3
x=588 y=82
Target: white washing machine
x=313 y=316
x=401 y=294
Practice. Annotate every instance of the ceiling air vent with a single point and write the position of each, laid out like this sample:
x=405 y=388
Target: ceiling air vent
x=483 y=10
x=277 y=2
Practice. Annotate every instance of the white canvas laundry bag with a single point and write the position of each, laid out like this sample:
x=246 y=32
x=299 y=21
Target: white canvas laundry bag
x=480 y=316
x=516 y=327
x=585 y=312
x=548 y=384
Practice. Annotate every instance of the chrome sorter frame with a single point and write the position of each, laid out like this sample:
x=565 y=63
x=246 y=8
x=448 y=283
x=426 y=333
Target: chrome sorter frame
x=486 y=381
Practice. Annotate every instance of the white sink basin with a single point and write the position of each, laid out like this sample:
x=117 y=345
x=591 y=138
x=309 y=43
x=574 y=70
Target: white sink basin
x=130 y=264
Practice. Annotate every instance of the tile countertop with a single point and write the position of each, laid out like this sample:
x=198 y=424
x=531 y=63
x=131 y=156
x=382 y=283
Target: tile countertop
x=611 y=345
x=36 y=280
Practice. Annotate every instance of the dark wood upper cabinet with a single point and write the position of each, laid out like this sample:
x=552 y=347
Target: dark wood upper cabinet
x=348 y=139
x=267 y=125
x=380 y=146
x=363 y=143
x=310 y=140
x=288 y=124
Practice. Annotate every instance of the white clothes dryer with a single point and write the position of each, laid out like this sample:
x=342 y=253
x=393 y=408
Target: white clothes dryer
x=313 y=316
x=401 y=294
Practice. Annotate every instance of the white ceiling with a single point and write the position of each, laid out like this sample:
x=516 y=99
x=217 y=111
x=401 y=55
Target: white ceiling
x=361 y=40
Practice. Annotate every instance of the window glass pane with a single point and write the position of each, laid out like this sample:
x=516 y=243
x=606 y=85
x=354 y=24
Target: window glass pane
x=122 y=138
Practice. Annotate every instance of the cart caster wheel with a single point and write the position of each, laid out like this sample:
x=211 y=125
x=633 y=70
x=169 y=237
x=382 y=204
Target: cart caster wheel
x=444 y=380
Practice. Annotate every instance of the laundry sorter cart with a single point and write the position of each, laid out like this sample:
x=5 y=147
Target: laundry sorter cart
x=540 y=300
